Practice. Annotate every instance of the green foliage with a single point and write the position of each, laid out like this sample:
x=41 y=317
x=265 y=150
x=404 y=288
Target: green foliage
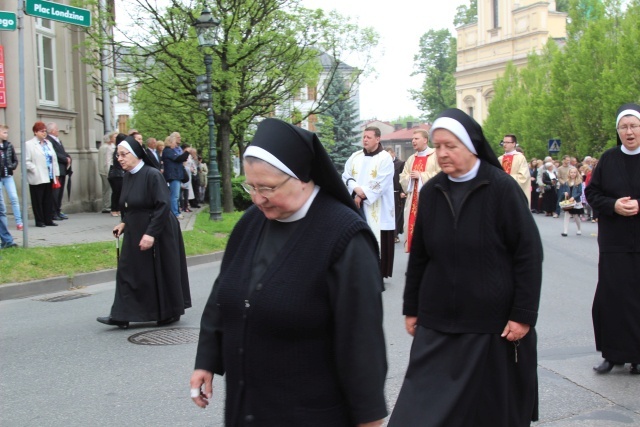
x=436 y=60
x=466 y=14
x=403 y=120
x=22 y=265
x=241 y=199
x=341 y=114
x=572 y=93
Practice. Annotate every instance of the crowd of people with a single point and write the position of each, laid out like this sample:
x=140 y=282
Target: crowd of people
x=184 y=171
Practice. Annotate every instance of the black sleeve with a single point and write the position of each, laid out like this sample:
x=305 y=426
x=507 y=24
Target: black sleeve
x=209 y=352
x=356 y=297
x=595 y=193
x=418 y=261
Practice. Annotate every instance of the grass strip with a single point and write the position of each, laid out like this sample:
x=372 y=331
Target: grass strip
x=23 y=265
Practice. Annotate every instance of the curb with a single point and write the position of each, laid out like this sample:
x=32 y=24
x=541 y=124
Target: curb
x=66 y=283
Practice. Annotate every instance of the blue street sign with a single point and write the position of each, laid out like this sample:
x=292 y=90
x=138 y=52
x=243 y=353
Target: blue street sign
x=554 y=145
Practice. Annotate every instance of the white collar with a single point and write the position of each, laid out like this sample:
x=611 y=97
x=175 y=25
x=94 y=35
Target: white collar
x=625 y=150
x=510 y=153
x=424 y=152
x=137 y=168
x=469 y=175
x=302 y=212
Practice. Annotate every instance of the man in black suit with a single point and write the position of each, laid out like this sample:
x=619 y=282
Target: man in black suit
x=153 y=154
x=64 y=162
x=398 y=194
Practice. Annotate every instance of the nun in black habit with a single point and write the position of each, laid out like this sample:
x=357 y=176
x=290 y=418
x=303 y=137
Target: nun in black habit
x=472 y=291
x=152 y=283
x=614 y=192
x=294 y=320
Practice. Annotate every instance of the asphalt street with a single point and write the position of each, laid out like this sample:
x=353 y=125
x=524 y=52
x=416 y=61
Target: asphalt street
x=59 y=367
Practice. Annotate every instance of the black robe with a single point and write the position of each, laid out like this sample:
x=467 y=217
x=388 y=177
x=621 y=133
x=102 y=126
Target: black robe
x=616 y=305
x=151 y=285
x=294 y=321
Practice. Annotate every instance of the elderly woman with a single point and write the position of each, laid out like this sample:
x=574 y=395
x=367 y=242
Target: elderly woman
x=549 y=198
x=614 y=192
x=295 y=316
x=115 y=176
x=472 y=291
x=42 y=171
x=151 y=280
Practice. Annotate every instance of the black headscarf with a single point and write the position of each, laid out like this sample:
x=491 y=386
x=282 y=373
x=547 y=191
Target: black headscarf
x=301 y=152
x=626 y=110
x=473 y=131
x=137 y=149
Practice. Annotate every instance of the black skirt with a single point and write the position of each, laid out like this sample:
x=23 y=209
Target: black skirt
x=459 y=380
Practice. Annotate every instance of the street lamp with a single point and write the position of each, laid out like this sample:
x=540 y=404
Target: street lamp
x=207 y=29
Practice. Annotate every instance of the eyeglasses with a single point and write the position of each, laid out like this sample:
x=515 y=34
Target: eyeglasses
x=265 y=192
x=123 y=155
x=507 y=142
x=624 y=128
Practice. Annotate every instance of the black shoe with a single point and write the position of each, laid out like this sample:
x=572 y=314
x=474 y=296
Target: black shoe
x=40 y=224
x=107 y=320
x=51 y=224
x=563 y=234
x=106 y=210
x=635 y=369
x=10 y=245
x=168 y=321
x=605 y=367
x=62 y=215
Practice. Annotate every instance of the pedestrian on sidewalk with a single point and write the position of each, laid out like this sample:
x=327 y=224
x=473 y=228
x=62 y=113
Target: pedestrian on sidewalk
x=8 y=164
x=152 y=283
x=42 y=171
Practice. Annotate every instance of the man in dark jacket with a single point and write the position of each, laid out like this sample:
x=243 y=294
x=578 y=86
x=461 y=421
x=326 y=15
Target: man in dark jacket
x=64 y=162
x=9 y=163
x=399 y=197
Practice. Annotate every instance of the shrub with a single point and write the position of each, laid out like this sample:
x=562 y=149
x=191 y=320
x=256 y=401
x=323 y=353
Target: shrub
x=241 y=199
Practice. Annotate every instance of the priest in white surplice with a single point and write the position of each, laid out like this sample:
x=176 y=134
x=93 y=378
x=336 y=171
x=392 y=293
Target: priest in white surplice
x=368 y=174
x=515 y=164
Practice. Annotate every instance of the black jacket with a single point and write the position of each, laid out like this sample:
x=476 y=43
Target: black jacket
x=472 y=271
x=61 y=154
x=8 y=159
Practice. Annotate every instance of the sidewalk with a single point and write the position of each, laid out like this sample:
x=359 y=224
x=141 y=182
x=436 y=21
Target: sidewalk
x=80 y=228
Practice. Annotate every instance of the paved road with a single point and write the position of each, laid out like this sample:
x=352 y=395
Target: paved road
x=59 y=367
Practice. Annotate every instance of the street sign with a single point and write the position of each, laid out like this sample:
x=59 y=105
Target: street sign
x=554 y=145
x=58 y=12
x=7 y=21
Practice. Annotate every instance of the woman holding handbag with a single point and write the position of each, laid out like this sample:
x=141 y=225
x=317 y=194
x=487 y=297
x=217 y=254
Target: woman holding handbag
x=572 y=190
x=42 y=172
x=549 y=179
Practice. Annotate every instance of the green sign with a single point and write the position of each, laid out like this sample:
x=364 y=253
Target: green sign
x=58 y=12
x=7 y=21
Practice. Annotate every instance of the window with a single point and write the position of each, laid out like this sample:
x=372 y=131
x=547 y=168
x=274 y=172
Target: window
x=470 y=111
x=495 y=14
x=312 y=93
x=46 y=55
x=123 y=94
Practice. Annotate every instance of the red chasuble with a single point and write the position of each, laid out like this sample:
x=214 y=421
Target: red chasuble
x=507 y=161
x=419 y=165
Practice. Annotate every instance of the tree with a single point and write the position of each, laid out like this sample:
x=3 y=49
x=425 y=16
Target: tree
x=466 y=14
x=341 y=114
x=267 y=50
x=436 y=59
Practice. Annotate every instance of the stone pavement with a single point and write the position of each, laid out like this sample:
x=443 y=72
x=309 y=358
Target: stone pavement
x=79 y=228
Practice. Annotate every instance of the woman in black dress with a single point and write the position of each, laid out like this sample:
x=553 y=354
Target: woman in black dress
x=550 y=198
x=116 y=173
x=472 y=291
x=151 y=281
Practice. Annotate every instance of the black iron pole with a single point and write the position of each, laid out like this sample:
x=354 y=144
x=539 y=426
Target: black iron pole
x=213 y=179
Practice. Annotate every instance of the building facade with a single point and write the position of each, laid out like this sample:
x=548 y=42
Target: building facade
x=59 y=87
x=506 y=30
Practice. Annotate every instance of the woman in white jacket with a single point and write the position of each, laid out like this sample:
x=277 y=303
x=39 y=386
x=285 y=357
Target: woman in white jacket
x=42 y=170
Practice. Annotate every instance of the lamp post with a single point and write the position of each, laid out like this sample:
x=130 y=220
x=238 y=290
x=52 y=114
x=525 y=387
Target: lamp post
x=207 y=29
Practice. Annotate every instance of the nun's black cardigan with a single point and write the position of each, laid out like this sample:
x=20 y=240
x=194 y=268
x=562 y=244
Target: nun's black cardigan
x=473 y=271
